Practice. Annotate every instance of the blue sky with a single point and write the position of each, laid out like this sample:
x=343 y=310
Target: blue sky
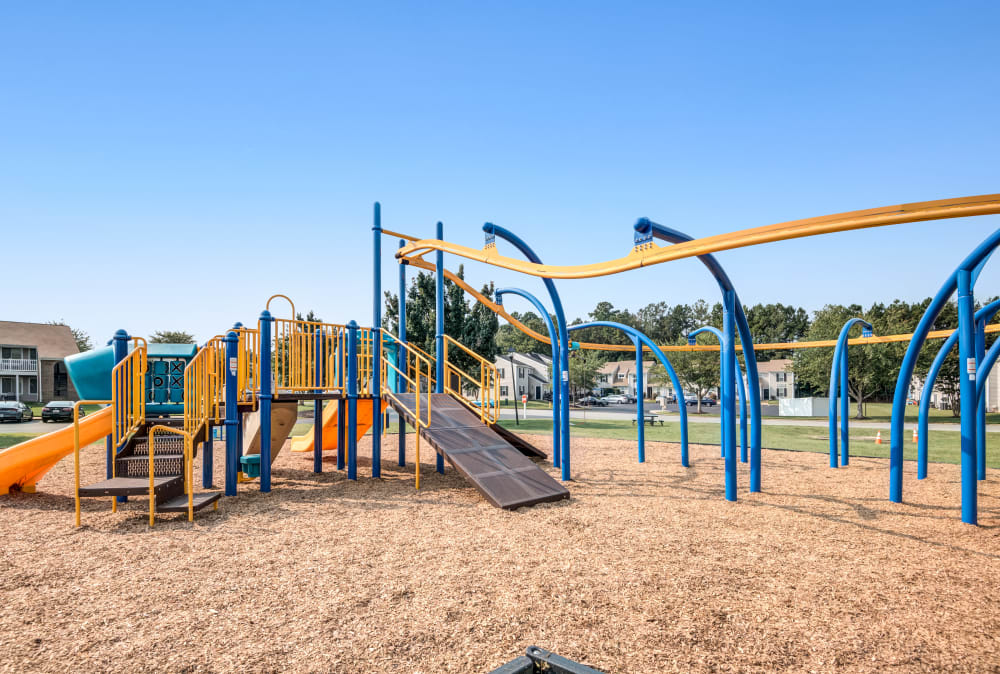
x=171 y=165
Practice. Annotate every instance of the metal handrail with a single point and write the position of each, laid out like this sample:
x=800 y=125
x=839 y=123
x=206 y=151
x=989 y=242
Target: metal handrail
x=247 y=365
x=128 y=393
x=76 y=449
x=187 y=469
x=422 y=370
x=294 y=355
x=487 y=385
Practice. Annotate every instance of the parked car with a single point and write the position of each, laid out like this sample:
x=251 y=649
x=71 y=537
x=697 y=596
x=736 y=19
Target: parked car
x=59 y=410
x=705 y=402
x=616 y=398
x=591 y=401
x=15 y=411
x=547 y=396
x=671 y=399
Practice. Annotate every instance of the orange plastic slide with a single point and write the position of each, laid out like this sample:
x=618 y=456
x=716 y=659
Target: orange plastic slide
x=21 y=466
x=304 y=443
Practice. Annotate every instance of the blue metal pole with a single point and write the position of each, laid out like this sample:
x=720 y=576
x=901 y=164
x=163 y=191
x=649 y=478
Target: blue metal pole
x=967 y=374
x=554 y=343
x=728 y=388
x=207 y=458
x=743 y=411
x=341 y=402
x=439 y=326
x=120 y=342
x=563 y=369
x=352 y=401
x=639 y=390
x=318 y=405
x=401 y=357
x=265 y=401
x=980 y=404
x=845 y=404
x=232 y=415
x=377 y=345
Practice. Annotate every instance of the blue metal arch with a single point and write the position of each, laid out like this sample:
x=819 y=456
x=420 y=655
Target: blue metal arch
x=498 y=294
x=636 y=335
x=961 y=280
x=647 y=227
x=743 y=393
x=839 y=367
x=985 y=315
x=494 y=231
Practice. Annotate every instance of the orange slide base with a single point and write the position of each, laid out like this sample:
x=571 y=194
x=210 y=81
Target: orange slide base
x=23 y=465
x=304 y=443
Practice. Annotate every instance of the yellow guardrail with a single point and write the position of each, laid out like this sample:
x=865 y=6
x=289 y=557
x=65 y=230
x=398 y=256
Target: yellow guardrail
x=295 y=353
x=418 y=368
x=247 y=365
x=486 y=386
x=76 y=451
x=187 y=469
x=204 y=386
x=128 y=393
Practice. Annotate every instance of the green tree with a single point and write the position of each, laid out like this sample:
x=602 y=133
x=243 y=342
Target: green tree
x=583 y=370
x=697 y=370
x=171 y=337
x=776 y=323
x=510 y=338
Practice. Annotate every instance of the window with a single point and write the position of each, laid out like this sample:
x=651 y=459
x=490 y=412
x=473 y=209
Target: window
x=782 y=392
x=621 y=376
x=33 y=385
x=500 y=373
x=780 y=376
x=520 y=374
x=6 y=384
x=30 y=354
x=520 y=390
x=503 y=391
x=766 y=395
x=10 y=352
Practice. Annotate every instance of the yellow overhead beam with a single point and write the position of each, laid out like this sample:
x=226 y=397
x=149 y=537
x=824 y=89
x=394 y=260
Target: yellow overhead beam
x=593 y=346
x=648 y=254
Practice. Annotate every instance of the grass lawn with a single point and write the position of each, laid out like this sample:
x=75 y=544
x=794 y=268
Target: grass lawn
x=11 y=439
x=944 y=445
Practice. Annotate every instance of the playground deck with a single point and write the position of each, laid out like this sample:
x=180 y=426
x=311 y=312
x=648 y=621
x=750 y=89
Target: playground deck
x=645 y=569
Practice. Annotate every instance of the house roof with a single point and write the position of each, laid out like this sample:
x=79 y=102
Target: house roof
x=51 y=341
x=776 y=365
x=624 y=366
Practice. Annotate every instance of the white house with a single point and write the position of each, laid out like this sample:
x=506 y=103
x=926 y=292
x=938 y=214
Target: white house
x=523 y=374
x=619 y=376
x=775 y=379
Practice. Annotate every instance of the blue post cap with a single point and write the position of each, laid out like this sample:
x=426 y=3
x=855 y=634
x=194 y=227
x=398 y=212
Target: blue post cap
x=237 y=325
x=498 y=297
x=265 y=315
x=352 y=324
x=120 y=334
x=574 y=346
x=232 y=337
x=866 y=331
x=692 y=340
x=378 y=218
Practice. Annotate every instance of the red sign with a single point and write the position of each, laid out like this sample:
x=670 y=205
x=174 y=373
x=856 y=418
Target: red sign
x=524 y=398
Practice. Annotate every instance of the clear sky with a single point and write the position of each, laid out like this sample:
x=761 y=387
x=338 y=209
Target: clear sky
x=171 y=165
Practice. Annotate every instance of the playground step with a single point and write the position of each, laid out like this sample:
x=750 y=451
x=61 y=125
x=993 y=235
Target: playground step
x=165 y=444
x=138 y=466
x=179 y=504
x=163 y=487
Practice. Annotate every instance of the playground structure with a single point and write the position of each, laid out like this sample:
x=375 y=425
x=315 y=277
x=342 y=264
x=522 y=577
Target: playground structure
x=165 y=400
x=838 y=378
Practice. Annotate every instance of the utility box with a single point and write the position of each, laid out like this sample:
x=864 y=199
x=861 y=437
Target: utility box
x=803 y=407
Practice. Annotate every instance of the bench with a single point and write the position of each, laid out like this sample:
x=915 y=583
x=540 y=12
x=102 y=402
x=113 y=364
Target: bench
x=650 y=419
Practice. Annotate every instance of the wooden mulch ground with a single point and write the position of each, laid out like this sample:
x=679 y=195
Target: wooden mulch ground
x=646 y=569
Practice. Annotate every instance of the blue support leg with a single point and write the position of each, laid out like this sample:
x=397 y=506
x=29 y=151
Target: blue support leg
x=845 y=401
x=232 y=416
x=967 y=362
x=265 y=401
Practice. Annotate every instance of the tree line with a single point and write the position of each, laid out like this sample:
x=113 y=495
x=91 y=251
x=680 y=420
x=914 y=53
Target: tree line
x=873 y=368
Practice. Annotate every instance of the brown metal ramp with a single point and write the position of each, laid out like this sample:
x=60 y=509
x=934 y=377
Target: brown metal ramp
x=506 y=477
